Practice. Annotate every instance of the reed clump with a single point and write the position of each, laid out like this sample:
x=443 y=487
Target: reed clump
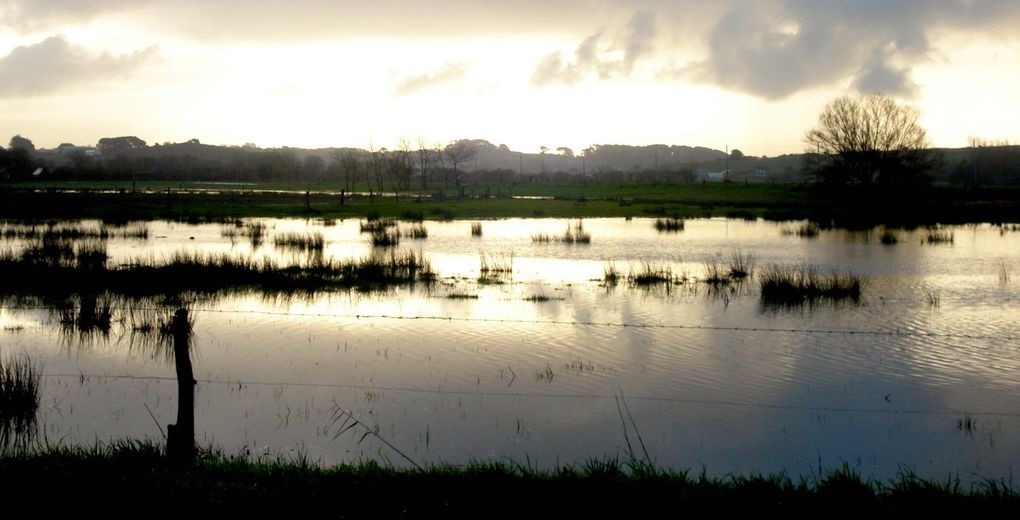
x=476 y=229
x=415 y=232
x=610 y=274
x=255 y=232
x=741 y=265
x=888 y=237
x=377 y=225
x=669 y=224
x=784 y=285
x=20 y=379
x=494 y=266
x=651 y=273
x=938 y=235
x=383 y=237
x=299 y=241
x=575 y=234
x=805 y=230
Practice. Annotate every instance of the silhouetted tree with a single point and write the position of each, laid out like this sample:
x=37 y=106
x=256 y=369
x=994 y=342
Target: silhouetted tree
x=459 y=152
x=16 y=163
x=871 y=139
x=21 y=143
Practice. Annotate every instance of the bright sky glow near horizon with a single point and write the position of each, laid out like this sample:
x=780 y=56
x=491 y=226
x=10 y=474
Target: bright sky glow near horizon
x=748 y=75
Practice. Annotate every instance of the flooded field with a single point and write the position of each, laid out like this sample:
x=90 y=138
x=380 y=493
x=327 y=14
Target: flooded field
x=539 y=341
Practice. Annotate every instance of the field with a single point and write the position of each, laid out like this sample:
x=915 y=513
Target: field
x=210 y=201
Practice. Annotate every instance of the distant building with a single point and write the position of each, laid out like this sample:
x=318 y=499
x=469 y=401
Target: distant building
x=714 y=176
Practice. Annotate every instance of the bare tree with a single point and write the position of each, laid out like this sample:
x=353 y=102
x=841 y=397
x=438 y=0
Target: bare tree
x=457 y=153
x=377 y=163
x=426 y=156
x=349 y=161
x=871 y=138
x=399 y=166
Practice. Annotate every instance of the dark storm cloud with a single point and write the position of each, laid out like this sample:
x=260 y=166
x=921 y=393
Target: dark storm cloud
x=48 y=66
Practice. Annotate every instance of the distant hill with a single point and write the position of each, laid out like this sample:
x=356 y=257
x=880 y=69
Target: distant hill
x=988 y=165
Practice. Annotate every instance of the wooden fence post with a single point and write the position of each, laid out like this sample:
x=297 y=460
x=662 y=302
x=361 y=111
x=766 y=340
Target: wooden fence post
x=180 y=444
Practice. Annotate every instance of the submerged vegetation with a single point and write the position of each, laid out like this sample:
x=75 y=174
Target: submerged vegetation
x=75 y=231
x=932 y=295
x=188 y=271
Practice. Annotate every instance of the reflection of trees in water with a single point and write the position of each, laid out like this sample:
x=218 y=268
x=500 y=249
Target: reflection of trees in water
x=88 y=320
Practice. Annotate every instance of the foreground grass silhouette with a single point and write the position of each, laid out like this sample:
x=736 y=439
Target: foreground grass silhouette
x=136 y=477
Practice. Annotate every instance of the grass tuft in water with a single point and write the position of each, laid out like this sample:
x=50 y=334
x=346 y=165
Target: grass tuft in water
x=789 y=286
x=805 y=230
x=888 y=237
x=299 y=241
x=19 y=399
x=575 y=234
x=939 y=235
x=492 y=266
x=476 y=229
x=741 y=265
x=415 y=232
x=651 y=273
x=376 y=225
x=382 y=237
x=669 y=224
x=610 y=274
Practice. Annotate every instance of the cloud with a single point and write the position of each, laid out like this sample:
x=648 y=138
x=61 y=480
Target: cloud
x=31 y=15
x=273 y=20
x=640 y=38
x=589 y=59
x=773 y=49
x=50 y=65
x=878 y=75
x=448 y=73
x=766 y=48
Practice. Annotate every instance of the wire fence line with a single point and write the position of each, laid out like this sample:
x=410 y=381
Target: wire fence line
x=541 y=395
x=575 y=323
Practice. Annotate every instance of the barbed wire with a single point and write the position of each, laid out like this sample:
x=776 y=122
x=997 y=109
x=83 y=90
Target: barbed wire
x=518 y=321
x=541 y=395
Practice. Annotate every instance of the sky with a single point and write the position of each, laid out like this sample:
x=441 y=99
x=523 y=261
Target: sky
x=752 y=75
